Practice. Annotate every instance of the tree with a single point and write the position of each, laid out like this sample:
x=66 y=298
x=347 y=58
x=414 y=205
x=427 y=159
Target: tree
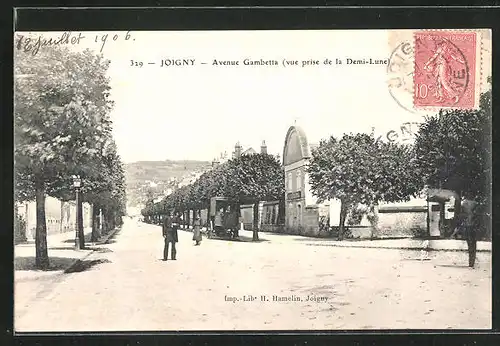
x=254 y=178
x=60 y=107
x=358 y=169
x=107 y=190
x=248 y=179
x=453 y=151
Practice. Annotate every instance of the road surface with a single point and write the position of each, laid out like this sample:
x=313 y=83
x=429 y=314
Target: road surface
x=279 y=283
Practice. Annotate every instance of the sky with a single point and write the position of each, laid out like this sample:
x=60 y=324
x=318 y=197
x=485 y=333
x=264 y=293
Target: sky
x=196 y=112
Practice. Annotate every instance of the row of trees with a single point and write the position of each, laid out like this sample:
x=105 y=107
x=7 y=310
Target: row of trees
x=452 y=151
x=63 y=128
x=245 y=180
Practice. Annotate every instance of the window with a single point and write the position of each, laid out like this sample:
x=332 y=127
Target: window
x=290 y=188
x=299 y=180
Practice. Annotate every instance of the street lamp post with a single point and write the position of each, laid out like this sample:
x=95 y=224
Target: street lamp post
x=77 y=183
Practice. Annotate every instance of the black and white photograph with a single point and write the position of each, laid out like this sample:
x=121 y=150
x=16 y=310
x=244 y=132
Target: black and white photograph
x=242 y=180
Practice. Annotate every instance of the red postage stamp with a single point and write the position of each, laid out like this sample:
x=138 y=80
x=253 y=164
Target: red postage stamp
x=445 y=69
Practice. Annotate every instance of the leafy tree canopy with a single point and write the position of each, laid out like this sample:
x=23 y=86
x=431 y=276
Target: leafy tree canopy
x=453 y=150
x=360 y=169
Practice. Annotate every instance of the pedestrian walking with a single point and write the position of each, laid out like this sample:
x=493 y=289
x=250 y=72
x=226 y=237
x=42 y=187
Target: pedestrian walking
x=170 y=226
x=197 y=230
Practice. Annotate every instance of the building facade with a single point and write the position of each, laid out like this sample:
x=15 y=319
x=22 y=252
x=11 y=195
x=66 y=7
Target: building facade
x=303 y=215
x=60 y=216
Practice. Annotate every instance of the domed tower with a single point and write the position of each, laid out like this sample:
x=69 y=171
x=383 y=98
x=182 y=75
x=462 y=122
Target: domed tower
x=263 y=148
x=237 y=150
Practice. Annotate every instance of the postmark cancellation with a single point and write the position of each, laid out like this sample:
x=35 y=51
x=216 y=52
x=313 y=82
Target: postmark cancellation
x=436 y=69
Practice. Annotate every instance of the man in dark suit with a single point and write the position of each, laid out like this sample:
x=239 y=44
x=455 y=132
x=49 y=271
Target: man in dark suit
x=170 y=226
x=469 y=224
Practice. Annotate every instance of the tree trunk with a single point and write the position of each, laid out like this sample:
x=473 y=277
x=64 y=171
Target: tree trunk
x=79 y=220
x=103 y=221
x=101 y=225
x=42 y=255
x=61 y=219
x=442 y=230
x=114 y=219
x=188 y=219
x=95 y=220
x=208 y=217
x=255 y=227
x=457 y=208
x=99 y=221
x=343 y=216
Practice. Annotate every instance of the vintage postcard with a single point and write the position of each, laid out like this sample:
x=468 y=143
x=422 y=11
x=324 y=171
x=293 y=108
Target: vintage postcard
x=252 y=180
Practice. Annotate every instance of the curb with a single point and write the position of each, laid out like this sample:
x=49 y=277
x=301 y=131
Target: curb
x=399 y=248
x=105 y=240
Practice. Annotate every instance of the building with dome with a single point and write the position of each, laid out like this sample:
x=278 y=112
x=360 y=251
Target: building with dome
x=305 y=216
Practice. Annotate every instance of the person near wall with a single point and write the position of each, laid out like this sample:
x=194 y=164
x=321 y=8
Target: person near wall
x=197 y=230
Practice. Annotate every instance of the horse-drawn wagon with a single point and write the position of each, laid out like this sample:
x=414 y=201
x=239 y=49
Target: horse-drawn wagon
x=223 y=218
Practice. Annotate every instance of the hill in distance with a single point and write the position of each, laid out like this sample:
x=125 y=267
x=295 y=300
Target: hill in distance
x=146 y=179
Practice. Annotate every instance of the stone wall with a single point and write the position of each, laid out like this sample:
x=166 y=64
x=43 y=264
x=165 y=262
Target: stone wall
x=310 y=224
x=401 y=224
x=246 y=211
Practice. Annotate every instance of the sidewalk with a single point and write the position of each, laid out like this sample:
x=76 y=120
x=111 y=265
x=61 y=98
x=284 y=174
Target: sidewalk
x=405 y=244
x=30 y=282
x=402 y=244
x=60 y=246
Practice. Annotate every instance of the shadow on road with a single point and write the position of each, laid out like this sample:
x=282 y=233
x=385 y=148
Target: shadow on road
x=452 y=265
x=99 y=249
x=347 y=240
x=87 y=248
x=81 y=266
x=111 y=239
x=69 y=247
x=25 y=243
x=88 y=238
x=72 y=240
x=242 y=239
x=55 y=263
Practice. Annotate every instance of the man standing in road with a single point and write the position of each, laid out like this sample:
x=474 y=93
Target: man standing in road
x=170 y=226
x=469 y=224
